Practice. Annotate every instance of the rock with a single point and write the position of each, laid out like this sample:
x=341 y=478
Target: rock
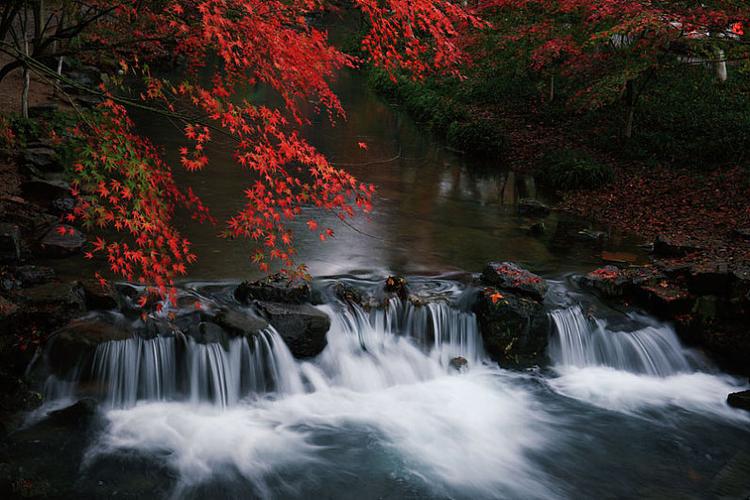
x=590 y=235
x=62 y=205
x=41 y=159
x=608 y=281
x=78 y=415
x=512 y=277
x=158 y=327
x=348 y=294
x=7 y=308
x=54 y=298
x=10 y=243
x=34 y=275
x=665 y=298
x=397 y=286
x=208 y=333
x=76 y=342
x=533 y=208
x=302 y=327
x=668 y=247
x=239 y=323
x=537 y=229
x=739 y=400
x=54 y=244
x=459 y=364
x=619 y=259
x=274 y=288
x=514 y=327
x=41 y=191
x=710 y=279
x=98 y=296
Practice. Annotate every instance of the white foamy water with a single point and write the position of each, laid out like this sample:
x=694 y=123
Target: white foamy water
x=381 y=403
x=465 y=434
x=644 y=369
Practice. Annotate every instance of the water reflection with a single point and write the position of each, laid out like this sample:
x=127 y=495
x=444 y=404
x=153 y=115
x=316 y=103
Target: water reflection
x=434 y=211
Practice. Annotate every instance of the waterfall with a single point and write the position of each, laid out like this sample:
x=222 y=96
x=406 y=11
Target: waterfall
x=401 y=343
x=580 y=341
x=367 y=349
x=177 y=367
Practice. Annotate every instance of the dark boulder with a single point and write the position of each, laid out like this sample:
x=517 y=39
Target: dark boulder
x=537 y=229
x=42 y=191
x=459 y=363
x=10 y=243
x=55 y=244
x=511 y=277
x=739 y=400
x=532 y=208
x=207 y=333
x=34 y=275
x=238 y=322
x=98 y=296
x=77 y=415
x=665 y=246
x=514 y=327
x=41 y=160
x=61 y=300
x=274 y=288
x=396 y=285
x=712 y=278
x=349 y=294
x=302 y=327
x=76 y=342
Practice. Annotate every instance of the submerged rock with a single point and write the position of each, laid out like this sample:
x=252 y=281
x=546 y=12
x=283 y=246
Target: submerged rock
x=302 y=326
x=397 y=286
x=274 y=288
x=514 y=327
x=534 y=208
x=511 y=277
x=459 y=363
x=739 y=400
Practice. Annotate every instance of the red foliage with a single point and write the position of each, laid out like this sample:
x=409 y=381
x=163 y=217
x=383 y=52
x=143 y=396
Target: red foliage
x=123 y=184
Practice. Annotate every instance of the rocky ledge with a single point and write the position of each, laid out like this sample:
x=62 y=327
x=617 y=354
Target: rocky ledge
x=512 y=319
x=708 y=302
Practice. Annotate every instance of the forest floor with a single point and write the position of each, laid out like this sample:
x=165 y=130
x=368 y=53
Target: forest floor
x=708 y=210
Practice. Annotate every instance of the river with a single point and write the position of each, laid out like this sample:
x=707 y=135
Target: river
x=621 y=410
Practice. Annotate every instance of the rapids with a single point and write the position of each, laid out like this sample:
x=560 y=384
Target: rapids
x=381 y=413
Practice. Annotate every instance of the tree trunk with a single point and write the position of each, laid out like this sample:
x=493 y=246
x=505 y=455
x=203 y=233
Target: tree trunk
x=551 y=88
x=630 y=96
x=26 y=79
x=721 y=66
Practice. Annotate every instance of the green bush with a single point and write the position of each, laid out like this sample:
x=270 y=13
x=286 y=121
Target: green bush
x=479 y=137
x=573 y=169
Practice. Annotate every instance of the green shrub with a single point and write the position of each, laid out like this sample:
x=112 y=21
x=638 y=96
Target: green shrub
x=479 y=137
x=573 y=169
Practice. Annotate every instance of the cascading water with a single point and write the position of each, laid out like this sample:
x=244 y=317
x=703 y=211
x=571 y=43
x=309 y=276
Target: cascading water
x=383 y=403
x=583 y=341
x=177 y=367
